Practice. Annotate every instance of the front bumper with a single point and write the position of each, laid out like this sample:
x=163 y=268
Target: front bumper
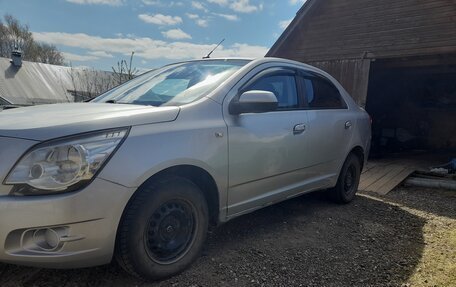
x=62 y=231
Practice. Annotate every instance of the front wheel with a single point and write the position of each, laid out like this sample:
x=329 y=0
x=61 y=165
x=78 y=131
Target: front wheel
x=163 y=229
x=348 y=181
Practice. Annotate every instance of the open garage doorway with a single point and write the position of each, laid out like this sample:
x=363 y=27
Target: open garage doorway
x=412 y=102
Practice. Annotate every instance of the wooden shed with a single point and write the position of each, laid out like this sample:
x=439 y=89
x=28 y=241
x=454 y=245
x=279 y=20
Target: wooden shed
x=396 y=58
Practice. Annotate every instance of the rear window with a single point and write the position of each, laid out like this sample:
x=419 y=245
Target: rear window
x=322 y=94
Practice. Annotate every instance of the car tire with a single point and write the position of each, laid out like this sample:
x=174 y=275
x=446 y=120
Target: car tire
x=163 y=229
x=348 y=181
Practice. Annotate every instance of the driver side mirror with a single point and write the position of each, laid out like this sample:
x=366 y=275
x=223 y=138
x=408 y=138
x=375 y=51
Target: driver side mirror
x=254 y=102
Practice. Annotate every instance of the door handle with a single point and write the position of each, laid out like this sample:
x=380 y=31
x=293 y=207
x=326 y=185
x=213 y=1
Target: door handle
x=348 y=124
x=299 y=129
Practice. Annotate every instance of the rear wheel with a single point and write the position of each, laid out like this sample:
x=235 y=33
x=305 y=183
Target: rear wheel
x=348 y=181
x=163 y=229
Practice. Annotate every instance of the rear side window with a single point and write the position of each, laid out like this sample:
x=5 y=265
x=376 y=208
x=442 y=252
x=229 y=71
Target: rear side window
x=283 y=87
x=322 y=94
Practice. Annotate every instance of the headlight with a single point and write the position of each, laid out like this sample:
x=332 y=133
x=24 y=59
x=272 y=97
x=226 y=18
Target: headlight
x=64 y=165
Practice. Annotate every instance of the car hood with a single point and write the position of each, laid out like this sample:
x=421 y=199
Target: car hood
x=52 y=121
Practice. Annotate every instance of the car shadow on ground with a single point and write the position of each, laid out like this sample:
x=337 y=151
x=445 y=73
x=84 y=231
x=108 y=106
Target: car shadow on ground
x=303 y=241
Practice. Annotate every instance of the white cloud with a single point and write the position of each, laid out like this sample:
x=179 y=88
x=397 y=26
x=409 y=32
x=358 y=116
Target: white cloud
x=284 y=24
x=100 y=54
x=101 y=2
x=192 y=16
x=202 y=22
x=80 y=58
x=152 y=2
x=294 y=2
x=219 y=2
x=244 y=6
x=176 y=34
x=161 y=3
x=160 y=19
x=242 y=50
x=240 y=6
x=229 y=17
x=199 y=6
x=146 y=48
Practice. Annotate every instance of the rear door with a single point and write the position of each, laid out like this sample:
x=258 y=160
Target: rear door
x=329 y=129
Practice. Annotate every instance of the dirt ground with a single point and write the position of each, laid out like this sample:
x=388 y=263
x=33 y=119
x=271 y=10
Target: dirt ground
x=407 y=238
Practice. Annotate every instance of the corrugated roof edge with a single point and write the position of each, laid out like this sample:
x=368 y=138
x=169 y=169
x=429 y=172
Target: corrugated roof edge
x=4 y=100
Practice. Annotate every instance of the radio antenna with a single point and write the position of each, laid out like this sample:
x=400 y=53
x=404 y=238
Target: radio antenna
x=210 y=53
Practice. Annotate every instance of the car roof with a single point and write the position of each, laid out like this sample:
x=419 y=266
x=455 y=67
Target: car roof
x=260 y=60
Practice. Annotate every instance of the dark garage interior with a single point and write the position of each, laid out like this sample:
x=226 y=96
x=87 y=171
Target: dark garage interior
x=412 y=102
x=395 y=58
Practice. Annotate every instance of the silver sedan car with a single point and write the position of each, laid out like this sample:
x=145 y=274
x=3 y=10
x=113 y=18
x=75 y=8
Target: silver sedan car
x=140 y=172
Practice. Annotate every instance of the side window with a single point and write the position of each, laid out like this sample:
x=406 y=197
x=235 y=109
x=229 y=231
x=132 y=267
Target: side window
x=283 y=87
x=322 y=94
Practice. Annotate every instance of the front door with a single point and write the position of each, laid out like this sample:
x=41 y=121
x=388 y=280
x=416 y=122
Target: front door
x=267 y=151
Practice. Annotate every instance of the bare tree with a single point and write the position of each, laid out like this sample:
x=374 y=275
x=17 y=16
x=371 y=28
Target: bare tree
x=88 y=83
x=14 y=35
x=124 y=71
x=48 y=54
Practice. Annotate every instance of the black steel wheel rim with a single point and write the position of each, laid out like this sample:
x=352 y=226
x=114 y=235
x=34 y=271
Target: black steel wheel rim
x=349 y=180
x=170 y=231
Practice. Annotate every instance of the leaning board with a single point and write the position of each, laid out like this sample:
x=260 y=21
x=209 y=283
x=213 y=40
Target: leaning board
x=382 y=177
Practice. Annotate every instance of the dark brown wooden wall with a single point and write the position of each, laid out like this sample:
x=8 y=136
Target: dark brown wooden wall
x=353 y=75
x=342 y=36
x=355 y=29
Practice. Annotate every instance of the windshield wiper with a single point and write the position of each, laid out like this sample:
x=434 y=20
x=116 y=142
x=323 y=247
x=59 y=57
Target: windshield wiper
x=120 y=103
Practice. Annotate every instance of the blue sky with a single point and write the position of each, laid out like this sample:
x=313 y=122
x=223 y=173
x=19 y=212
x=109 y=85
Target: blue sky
x=98 y=33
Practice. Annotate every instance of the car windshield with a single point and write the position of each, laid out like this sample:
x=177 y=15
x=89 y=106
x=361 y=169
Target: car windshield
x=173 y=85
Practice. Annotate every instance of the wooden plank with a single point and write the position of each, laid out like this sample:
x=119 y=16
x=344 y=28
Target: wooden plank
x=378 y=26
x=400 y=177
x=372 y=176
x=385 y=20
x=293 y=54
x=370 y=165
x=391 y=45
x=382 y=176
x=388 y=176
x=362 y=5
x=377 y=163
